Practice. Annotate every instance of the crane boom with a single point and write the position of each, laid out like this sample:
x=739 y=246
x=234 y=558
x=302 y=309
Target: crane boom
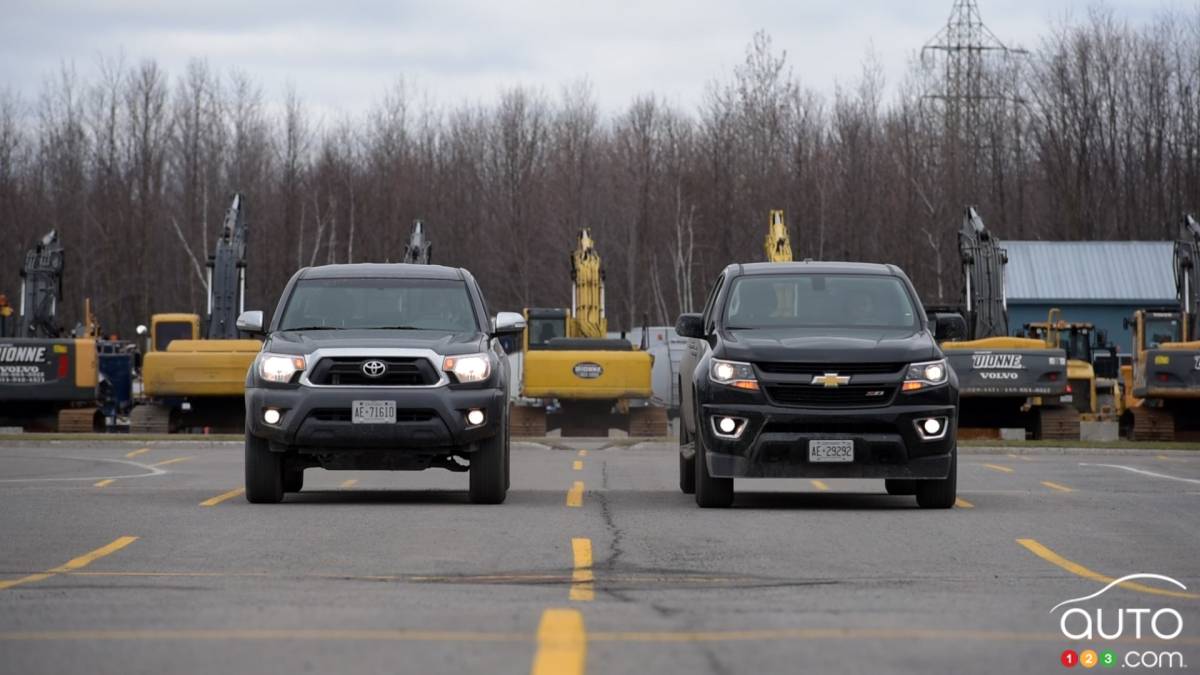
x=777 y=245
x=227 y=275
x=41 y=289
x=983 y=263
x=418 y=250
x=587 y=290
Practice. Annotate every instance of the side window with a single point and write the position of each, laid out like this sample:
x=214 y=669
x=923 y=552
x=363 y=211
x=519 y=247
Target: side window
x=712 y=298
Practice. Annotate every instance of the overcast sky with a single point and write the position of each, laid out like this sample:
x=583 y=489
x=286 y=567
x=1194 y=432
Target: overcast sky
x=342 y=54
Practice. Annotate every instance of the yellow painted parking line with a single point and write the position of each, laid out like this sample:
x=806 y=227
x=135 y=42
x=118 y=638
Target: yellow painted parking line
x=582 y=578
x=561 y=644
x=102 y=483
x=172 y=461
x=73 y=564
x=135 y=453
x=223 y=497
x=1055 y=486
x=997 y=467
x=1079 y=570
x=577 y=465
x=575 y=494
x=820 y=485
x=963 y=504
x=349 y=483
x=583 y=453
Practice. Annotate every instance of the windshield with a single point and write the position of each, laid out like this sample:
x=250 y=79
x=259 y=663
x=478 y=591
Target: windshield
x=819 y=301
x=1160 y=330
x=422 y=304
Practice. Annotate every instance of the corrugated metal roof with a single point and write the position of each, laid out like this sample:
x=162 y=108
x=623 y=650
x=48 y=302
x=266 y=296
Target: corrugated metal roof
x=1090 y=271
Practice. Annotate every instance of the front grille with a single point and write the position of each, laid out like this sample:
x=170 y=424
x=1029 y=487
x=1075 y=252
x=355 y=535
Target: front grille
x=786 y=368
x=847 y=396
x=856 y=429
x=348 y=371
x=344 y=415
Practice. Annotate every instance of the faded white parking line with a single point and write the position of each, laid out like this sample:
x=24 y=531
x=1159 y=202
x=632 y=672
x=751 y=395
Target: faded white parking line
x=149 y=469
x=1145 y=472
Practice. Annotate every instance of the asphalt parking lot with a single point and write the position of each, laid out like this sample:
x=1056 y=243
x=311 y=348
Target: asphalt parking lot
x=136 y=558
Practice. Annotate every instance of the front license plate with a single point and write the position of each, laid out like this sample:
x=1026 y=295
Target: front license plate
x=831 y=451
x=374 y=412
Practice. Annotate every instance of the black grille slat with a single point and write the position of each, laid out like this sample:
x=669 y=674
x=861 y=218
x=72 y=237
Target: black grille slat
x=401 y=372
x=846 y=396
x=785 y=368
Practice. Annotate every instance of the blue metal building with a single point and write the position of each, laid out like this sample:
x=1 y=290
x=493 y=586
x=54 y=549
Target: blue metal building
x=1101 y=282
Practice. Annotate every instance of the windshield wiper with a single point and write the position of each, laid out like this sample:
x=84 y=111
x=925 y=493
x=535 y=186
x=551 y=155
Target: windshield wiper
x=449 y=330
x=312 y=328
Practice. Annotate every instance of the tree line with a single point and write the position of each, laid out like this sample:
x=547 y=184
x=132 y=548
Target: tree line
x=1094 y=135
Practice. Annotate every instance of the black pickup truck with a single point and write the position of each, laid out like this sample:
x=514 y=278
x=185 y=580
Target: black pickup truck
x=818 y=370
x=367 y=366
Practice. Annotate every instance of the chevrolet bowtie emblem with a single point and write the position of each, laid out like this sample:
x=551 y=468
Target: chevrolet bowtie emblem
x=831 y=380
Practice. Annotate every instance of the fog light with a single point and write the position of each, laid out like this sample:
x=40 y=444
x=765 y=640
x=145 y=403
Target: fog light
x=932 y=426
x=475 y=417
x=272 y=416
x=727 y=425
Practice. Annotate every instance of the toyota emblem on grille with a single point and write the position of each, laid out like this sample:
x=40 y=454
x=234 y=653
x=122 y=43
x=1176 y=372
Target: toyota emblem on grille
x=374 y=368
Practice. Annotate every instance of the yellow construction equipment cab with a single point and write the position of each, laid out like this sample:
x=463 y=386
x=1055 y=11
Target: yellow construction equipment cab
x=1096 y=395
x=194 y=372
x=574 y=377
x=777 y=246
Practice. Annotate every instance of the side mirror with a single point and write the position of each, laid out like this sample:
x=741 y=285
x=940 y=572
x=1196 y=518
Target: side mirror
x=508 y=323
x=142 y=330
x=251 y=322
x=690 y=326
x=949 y=327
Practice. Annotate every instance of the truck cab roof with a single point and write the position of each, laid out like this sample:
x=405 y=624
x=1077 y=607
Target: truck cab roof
x=381 y=270
x=814 y=266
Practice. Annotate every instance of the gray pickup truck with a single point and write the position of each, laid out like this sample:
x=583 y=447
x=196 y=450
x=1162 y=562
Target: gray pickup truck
x=368 y=366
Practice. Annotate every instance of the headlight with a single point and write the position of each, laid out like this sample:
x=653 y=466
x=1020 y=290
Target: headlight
x=733 y=373
x=469 y=367
x=925 y=375
x=279 y=368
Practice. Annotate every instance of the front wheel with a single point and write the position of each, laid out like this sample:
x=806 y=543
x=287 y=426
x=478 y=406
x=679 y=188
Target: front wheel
x=711 y=492
x=940 y=493
x=489 y=469
x=293 y=480
x=264 y=472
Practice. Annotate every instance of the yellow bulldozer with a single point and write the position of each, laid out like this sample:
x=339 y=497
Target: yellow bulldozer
x=1093 y=385
x=194 y=370
x=574 y=377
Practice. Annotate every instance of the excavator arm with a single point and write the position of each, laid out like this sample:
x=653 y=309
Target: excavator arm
x=983 y=262
x=418 y=250
x=227 y=275
x=1187 y=276
x=777 y=246
x=587 y=289
x=41 y=289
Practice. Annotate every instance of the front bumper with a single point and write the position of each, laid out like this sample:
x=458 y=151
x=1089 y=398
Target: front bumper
x=318 y=418
x=774 y=443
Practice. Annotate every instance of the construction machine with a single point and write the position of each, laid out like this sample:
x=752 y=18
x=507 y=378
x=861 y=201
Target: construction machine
x=1093 y=384
x=194 y=371
x=1004 y=381
x=48 y=377
x=1164 y=378
x=418 y=250
x=574 y=377
x=777 y=246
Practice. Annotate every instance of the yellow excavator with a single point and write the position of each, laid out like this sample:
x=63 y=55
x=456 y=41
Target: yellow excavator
x=777 y=246
x=574 y=377
x=1163 y=390
x=194 y=371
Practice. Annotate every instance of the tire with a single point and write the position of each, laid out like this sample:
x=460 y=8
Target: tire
x=941 y=493
x=687 y=467
x=900 y=486
x=489 y=469
x=264 y=472
x=293 y=480
x=711 y=493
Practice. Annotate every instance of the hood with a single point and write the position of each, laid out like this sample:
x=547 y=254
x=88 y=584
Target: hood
x=441 y=342
x=825 y=345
